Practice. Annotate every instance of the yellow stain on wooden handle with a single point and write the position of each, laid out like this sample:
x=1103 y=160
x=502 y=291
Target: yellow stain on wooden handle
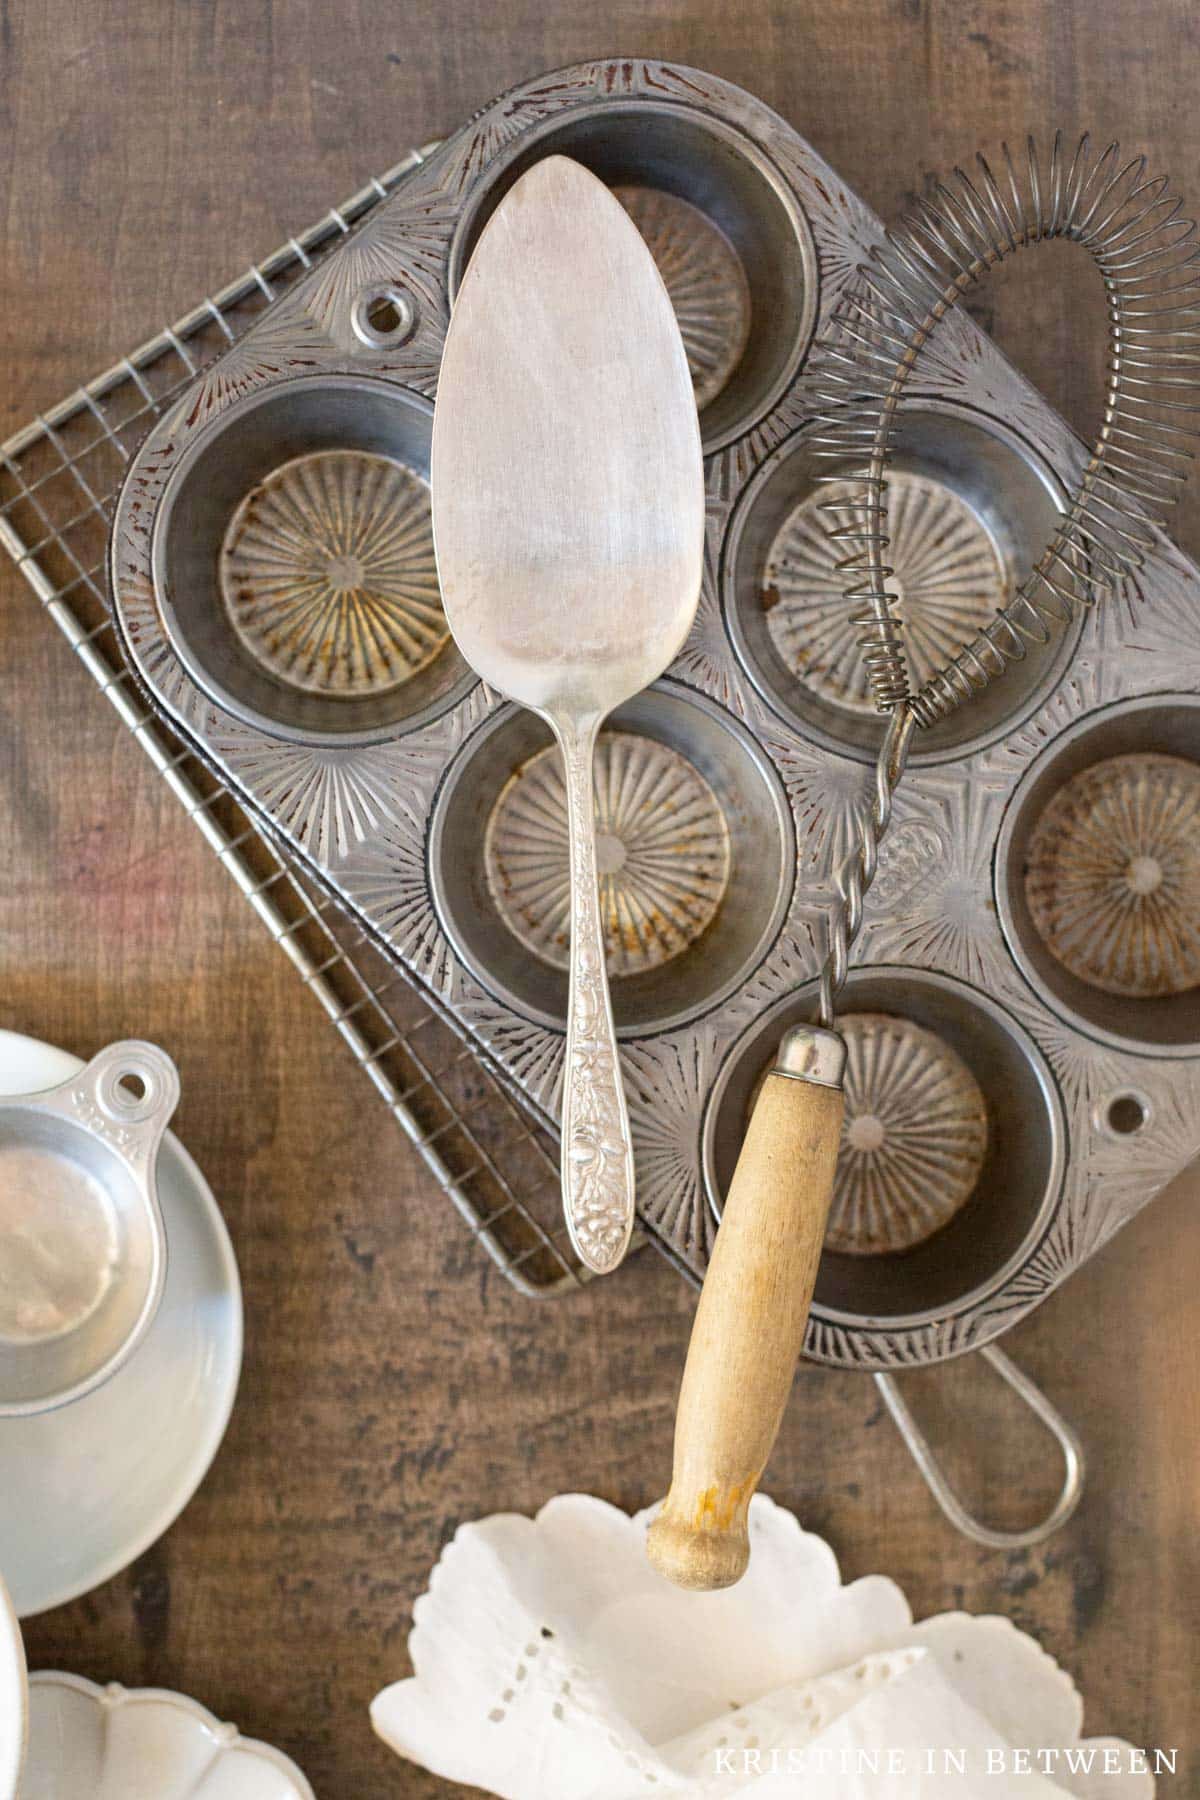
x=716 y=1513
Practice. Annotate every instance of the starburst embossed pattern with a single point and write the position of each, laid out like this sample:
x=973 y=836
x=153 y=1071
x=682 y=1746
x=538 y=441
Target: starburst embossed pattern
x=704 y=277
x=949 y=580
x=328 y=574
x=1113 y=875
x=908 y=853
x=662 y=849
x=914 y=1138
x=946 y=919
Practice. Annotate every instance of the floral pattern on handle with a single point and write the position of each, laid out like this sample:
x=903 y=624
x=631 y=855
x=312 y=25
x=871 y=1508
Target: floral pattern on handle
x=597 y=1153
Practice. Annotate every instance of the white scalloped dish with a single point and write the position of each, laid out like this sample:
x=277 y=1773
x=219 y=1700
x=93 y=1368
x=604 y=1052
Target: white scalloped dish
x=114 y=1743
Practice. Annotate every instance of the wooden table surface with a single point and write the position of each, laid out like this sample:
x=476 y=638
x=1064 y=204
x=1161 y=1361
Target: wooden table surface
x=393 y=1384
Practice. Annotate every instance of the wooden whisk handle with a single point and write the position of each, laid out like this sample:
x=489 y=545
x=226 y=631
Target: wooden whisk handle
x=750 y=1320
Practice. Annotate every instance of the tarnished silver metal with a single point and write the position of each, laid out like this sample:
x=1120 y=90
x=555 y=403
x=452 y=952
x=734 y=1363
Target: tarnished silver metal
x=573 y=586
x=914 y=1137
x=368 y=819
x=83 y=1250
x=740 y=860
x=1113 y=878
x=662 y=854
x=289 y=601
x=328 y=574
x=704 y=277
x=1115 y=953
x=943 y=1288
x=857 y=872
x=809 y=1053
x=948 y=568
x=954 y=469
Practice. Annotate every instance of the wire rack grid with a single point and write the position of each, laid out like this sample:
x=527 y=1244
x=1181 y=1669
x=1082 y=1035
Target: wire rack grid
x=59 y=476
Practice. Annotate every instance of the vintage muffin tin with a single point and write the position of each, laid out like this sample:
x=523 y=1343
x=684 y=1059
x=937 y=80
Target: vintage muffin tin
x=419 y=798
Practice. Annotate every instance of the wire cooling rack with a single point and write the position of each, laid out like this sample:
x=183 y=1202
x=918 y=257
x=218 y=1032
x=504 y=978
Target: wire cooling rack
x=58 y=478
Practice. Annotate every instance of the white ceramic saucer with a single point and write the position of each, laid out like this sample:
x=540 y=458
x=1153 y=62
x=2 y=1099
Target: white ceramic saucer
x=13 y=1697
x=85 y=1489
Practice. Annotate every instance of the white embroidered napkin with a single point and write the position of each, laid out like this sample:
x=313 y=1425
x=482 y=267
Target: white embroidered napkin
x=552 y=1663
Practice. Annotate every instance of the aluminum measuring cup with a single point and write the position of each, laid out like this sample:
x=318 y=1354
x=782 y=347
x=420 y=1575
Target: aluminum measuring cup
x=83 y=1249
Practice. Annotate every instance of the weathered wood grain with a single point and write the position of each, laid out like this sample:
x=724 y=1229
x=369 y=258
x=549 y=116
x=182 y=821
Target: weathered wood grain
x=393 y=1384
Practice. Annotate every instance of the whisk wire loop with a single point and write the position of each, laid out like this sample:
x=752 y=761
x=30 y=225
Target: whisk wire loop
x=1146 y=250
x=1148 y=256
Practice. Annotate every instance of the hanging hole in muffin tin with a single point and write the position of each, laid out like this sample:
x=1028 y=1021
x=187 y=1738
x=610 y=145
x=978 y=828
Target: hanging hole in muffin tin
x=1123 y=1115
x=383 y=317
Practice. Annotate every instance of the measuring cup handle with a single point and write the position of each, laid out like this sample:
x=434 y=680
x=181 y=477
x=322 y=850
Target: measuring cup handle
x=102 y=1096
x=939 y=1486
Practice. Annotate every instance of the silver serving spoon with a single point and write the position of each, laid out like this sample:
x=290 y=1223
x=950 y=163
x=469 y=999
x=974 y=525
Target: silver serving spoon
x=568 y=515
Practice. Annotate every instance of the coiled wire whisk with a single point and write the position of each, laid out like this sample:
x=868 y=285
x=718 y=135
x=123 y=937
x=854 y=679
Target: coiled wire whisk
x=1149 y=261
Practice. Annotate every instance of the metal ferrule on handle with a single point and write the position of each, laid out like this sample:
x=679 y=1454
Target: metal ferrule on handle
x=753 y=1308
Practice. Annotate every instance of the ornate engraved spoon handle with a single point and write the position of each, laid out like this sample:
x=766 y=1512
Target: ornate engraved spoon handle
x=597 y=1154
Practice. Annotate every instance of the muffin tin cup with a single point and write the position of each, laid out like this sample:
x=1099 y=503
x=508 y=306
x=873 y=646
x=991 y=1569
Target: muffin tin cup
x=971 y=507
x=293 y=565
x=734 y=248
x=990 y=1238
x=742 y=913
x=1167 y=1025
